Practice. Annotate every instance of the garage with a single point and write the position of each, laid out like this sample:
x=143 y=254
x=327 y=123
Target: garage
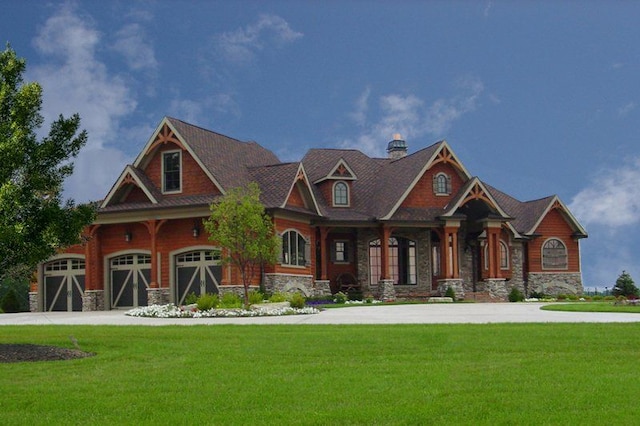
x=130 y=276
x=198 y=271
x=64 y=284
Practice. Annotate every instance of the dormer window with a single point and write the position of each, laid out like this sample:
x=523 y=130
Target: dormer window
x=442 y=184
x=171 y=171
x=340 y=194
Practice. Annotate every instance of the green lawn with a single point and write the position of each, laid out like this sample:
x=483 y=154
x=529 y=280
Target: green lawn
x=592 y=307
x=402 y=374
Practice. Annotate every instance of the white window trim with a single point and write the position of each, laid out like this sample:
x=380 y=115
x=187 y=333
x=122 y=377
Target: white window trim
x=506 y=249
x=566 y=254
x=307 y=242
x=333 y=194
x=164 y=191
x=447 y=185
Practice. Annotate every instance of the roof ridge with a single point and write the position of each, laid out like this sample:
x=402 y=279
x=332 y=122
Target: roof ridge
x=212 y=131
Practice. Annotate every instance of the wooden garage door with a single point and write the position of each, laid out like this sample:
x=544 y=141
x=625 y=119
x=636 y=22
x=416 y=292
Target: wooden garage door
x=64 y=285
x=130 y=277
x=197 y=271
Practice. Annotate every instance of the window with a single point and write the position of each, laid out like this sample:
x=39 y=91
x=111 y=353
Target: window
x=171 y=171
x=442 y=184
x=341 y=252
x=294 y=249
x=554 y=254
x=402 y=261
x=435 y=255
x=504 y=255
x=340 y=194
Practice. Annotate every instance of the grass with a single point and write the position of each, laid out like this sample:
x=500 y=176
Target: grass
x=317 y=375
x=592 y=307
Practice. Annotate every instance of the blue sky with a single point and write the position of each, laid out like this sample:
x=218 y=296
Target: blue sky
x=536 y=98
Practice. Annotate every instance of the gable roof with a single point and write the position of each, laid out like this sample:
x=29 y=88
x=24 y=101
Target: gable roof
x=131 y=175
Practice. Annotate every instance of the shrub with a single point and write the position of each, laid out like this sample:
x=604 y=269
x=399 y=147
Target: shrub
x=230 y=301
x=340 y=297
x=10 y=302
x=297 y=300
x=207 y=301
x=255 y=297
x=537 y=295
x=609 y=298
x=597 y=298
x=191 y=298
x=572 y=297
x=516 y=295
x=625 y=286
x=450 y=293
x=278 y=297
x=561 y=297
x=354 y=294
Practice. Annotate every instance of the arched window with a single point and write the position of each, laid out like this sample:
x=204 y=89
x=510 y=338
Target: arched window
x=402 y=261
x=554 y=254
x=294 y=249
x=504 y=255
x=442 y=184
x=340 y=194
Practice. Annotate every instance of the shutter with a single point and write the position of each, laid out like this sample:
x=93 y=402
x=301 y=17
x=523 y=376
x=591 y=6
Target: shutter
x=280 y=257
x=349 y=247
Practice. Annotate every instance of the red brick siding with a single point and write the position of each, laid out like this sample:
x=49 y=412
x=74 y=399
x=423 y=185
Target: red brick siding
x=554 y=225
x=422 y=194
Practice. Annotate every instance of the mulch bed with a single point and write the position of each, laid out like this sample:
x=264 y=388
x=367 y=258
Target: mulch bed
x=26 y=352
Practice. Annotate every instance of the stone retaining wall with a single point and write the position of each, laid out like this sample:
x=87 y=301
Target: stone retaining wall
x=554 y=283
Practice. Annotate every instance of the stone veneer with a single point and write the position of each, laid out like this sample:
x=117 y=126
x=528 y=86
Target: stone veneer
x=555 y=283
x=158 y=296
x=33 y=301
x=289 y=283
x=93 y=300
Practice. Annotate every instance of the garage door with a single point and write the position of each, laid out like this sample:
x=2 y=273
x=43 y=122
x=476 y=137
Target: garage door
x=64 y=285
x=198 y=272
x=130 y=278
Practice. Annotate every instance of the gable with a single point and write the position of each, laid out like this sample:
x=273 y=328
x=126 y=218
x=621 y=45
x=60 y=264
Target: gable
x=295 y=197
x=423 y=195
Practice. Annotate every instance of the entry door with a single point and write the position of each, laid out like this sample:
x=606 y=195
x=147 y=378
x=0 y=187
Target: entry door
x=197 y=271
x=130 y=278
x=64 y=285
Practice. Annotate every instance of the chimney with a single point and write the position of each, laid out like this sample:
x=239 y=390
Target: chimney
x=397 y=148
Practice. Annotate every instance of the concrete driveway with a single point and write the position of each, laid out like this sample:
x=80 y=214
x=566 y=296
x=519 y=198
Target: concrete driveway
x=471 y=313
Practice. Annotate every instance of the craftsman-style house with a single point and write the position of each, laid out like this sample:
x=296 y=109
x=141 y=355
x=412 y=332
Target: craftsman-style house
x=410 y=225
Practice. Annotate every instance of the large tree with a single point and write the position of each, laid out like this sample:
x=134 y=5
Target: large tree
x=239 y=225
x=625 y=286
x=35 y=222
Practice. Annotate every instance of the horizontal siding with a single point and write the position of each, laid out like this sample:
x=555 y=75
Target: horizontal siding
x=554 y=225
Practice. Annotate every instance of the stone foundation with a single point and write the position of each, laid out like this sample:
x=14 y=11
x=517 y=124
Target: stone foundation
x=496 y=287
x=321 y=288
x=33 y=301
x=554 y=283
x=289 y=283
x=158 y=296
x=93 y=300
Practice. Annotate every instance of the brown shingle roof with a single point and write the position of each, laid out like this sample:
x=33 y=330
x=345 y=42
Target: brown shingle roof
x=525 y=214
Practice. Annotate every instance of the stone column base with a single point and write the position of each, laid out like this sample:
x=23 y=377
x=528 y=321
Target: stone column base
x=497 y=288
x=454 y=283
x=386 y=291
x=321 y=288
x=33 y=301
x=157 y=296
x=93 y=300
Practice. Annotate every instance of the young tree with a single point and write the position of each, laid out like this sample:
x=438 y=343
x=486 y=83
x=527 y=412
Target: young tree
x=240 y=226
x=625 y=286
x=34 y=221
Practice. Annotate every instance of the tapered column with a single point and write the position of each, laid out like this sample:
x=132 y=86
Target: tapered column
x=324 y=232
x=385 y=234
x=452 y=267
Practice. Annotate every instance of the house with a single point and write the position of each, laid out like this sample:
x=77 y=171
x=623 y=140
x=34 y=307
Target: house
x=410 y=225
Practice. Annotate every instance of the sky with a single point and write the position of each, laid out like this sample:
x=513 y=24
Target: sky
x=535 y=98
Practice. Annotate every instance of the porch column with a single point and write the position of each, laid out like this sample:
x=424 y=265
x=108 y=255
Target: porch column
x=385 y=234
x=450 y=253
x=93 y=297
x=153 y=226
x=324 y=232
x=493 y=248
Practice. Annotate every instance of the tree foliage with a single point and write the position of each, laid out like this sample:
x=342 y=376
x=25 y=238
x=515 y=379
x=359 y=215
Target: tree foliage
x=240 y=226
x=34 y=220
x=625 y=286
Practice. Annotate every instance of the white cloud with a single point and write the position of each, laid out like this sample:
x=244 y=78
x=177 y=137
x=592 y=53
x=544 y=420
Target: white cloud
x=612 y=199
x=74 y=80
x=242 y=44
x=624 y=110
x=409 y=116
x=131 y=43
x=487 y=9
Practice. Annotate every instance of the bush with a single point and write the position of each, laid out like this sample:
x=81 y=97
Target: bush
x=516 y=295
x=191 y=298
x=450 y=293
x=278 y=297
x=230 y=301
x=562 y=297
x=10 y=302
x=255 y=297
x=609 y=298
x=537 y=295
x=207 y=301
x=297 y=300
x=625 y=286
x=572 y=297
x=597 y=298
x=340 y=297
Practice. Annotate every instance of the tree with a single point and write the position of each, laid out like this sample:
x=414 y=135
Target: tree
x=625 y=286
x=34 y=221
x=240 y=226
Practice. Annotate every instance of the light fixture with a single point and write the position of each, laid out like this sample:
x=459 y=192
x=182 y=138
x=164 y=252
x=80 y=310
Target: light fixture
x=195 y=230
x=127 y=235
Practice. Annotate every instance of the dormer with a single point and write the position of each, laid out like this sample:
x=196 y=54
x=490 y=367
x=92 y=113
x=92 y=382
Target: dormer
x=336 y=185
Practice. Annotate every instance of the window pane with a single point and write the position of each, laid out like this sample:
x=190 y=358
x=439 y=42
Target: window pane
x=340 y=194
x=172 y=171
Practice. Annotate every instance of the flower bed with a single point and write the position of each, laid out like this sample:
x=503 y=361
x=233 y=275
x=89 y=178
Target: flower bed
x=173 y=311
